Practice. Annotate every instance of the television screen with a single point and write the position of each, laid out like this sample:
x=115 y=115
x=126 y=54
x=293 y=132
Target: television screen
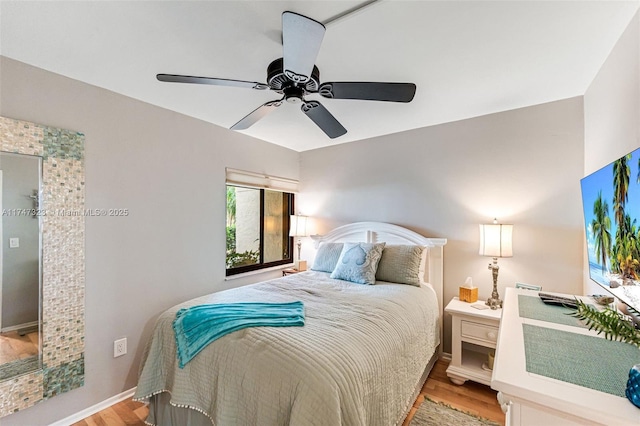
x=611 y=204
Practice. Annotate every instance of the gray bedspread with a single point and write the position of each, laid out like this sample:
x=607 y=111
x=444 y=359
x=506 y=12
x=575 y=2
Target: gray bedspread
x=357 y=360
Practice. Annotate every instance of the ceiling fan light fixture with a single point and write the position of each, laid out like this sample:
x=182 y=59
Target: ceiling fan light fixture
x=294 y=94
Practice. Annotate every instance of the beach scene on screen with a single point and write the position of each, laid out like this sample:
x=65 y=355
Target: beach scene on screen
x=611 y=204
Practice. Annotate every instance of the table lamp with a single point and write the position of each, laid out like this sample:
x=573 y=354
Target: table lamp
x=495 y=241
x=299 y=229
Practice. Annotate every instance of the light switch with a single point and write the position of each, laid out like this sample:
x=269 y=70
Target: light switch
x=14 y=242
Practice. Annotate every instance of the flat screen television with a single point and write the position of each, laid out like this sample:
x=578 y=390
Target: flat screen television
x=611 y=204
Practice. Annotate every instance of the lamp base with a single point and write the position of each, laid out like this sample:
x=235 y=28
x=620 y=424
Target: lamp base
x=494 y=303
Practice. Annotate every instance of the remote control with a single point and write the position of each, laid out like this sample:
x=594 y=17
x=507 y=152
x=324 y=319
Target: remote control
x=551 y=299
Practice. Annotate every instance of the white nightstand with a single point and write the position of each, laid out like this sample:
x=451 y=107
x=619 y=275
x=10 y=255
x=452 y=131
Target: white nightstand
x=474 y=333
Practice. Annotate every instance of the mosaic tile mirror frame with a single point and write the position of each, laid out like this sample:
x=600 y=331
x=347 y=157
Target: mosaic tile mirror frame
x=63 y=273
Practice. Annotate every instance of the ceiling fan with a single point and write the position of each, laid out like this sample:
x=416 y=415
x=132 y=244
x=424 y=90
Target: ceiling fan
x=295 y=76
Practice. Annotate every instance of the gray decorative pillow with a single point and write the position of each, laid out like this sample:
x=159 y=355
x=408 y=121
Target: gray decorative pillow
x=400 y=264
x=358 y=262
x=327 y=257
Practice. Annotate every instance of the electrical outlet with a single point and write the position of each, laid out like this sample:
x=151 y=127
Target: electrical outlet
x=119 y=347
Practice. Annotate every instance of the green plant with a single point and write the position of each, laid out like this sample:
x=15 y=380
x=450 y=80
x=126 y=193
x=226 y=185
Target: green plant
x=231 y=239
x=231 y=206
x=608 y=321
x=250 y=257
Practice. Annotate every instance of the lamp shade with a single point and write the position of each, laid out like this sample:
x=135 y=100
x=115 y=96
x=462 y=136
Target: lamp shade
x=495 y=240
x=298 y=226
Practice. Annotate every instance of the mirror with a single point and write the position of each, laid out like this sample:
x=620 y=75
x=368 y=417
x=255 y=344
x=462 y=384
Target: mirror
x=61 y=207
x=20 y=179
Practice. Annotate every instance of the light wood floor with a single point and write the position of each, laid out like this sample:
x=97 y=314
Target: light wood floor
x=471 y=397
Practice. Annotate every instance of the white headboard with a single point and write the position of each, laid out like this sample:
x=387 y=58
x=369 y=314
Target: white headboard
x=377 y=232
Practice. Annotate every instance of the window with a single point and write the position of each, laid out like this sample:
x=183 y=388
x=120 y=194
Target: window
x=257 y=228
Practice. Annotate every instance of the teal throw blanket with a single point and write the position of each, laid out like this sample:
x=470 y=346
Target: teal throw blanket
x=197 y=326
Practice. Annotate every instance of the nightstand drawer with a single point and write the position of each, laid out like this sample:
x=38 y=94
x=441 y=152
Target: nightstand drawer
x=477 y=331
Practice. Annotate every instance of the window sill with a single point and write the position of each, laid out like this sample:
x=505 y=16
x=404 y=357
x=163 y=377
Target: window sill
x=259 y=271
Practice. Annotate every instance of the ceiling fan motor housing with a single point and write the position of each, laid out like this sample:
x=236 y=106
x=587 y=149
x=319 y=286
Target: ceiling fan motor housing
x=278 y=81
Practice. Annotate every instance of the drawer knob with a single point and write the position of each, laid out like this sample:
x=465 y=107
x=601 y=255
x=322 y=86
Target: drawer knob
x=491 y=335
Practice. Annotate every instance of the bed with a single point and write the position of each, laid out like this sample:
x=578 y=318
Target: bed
x=360 y=359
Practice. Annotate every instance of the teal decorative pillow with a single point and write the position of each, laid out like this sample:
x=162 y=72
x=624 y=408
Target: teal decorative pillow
x=400 y=264
x=327 y=257
x=358 y=262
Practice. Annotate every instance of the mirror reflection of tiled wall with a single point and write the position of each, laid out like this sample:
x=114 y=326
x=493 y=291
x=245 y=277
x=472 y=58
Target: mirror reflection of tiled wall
x=62 y=292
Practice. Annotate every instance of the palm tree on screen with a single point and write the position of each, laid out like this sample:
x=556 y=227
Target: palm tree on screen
x=624 y=254
x=621 y=176
x=601 y=225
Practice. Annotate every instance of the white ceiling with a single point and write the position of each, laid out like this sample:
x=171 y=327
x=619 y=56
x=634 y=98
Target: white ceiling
x=467 y=58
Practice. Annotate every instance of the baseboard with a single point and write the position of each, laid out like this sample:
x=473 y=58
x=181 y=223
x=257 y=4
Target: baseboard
x=445 y=356
x=88 y=412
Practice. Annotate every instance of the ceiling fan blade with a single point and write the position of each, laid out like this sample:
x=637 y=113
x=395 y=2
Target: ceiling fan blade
x=391 y=92
x=256 y=115
x=323 y=118
x=301 y=40
x=172 y=78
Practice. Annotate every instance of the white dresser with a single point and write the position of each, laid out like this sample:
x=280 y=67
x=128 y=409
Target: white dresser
x=531 y=399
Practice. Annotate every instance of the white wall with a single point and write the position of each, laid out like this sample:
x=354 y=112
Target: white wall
x=169 y=171
x=612 y=112
x=521 y=166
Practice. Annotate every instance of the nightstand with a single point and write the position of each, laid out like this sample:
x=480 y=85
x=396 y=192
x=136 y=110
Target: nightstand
x=289 y=271
x=474 y=333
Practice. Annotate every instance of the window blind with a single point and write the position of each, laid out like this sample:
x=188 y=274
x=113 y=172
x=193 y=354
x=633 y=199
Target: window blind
x=259 y=180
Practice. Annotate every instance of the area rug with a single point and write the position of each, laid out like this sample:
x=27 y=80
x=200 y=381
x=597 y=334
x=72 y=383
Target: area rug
x=432 y=413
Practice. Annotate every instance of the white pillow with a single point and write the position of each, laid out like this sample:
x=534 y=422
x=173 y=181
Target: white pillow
x=358 y=262
x=327 y=257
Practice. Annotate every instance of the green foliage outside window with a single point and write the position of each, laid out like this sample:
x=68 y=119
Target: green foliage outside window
x=235 y=259
x=257 y=225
